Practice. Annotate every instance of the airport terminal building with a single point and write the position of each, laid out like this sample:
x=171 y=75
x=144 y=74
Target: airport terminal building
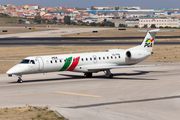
x=171 y=22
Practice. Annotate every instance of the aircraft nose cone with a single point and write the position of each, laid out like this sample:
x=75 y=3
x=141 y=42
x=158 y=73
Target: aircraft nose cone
x=12 y=70
x=9 y=71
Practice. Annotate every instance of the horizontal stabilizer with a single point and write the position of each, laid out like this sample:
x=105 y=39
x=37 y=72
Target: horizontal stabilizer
x=156 y=30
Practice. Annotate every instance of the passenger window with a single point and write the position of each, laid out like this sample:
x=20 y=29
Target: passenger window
x=78 y=59
x=32 y=62
x=74 y=60
x=64 y=60
x=111 y=57
x=60 y=61
x=115 y=57
x=119 y=56
x=107 y=57
x=90 y=58
x=99 y=58
x=55 y=61
x=104 y=58
x=69 y=60
x=86 y=59
x=51 y=61
x=82 y=59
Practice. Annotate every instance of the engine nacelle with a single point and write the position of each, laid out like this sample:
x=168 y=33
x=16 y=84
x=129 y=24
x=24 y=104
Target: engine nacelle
x=137 y=54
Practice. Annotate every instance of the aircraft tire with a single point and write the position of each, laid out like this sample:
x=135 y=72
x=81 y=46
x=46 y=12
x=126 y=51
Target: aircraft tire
x=110 y=76
x=19 y=80
x=88 y=75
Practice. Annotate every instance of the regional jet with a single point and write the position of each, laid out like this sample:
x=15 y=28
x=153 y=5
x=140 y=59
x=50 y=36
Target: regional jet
x=87 y=63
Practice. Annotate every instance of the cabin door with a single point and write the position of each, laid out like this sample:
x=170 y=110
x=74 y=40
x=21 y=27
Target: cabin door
x=40 y=64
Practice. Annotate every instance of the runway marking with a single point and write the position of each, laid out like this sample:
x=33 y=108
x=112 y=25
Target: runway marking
x=132 y=85
x=76 y=94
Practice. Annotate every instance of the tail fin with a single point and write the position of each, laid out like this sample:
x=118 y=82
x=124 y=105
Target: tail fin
x=148 y=41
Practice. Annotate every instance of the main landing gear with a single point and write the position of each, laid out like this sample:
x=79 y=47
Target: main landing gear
x=108 y=74
x=88 y=75
x=19 y=80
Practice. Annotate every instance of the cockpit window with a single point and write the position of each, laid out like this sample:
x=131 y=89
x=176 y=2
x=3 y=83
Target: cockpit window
x=32 y=62
x=25 y=61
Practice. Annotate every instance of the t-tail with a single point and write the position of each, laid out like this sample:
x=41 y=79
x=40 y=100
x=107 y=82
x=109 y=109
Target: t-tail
x=149 y=39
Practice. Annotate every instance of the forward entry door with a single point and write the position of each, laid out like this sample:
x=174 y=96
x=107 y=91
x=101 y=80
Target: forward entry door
x=40 y=63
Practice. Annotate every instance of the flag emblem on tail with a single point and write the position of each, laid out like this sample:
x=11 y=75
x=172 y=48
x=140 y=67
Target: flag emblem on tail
x=148 y=42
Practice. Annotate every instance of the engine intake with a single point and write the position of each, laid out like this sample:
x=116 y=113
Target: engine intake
x=137 y=54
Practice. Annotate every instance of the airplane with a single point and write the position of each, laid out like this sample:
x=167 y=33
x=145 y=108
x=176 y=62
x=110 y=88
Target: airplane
x=87 y=63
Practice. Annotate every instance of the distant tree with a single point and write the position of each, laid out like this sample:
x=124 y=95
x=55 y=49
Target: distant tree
x=38 y=19
x=20 y=21
x=105 y=20
x=167 y=27
x=161 y=27
x=55 y=20
x=4 y=15
x=122 y=25
x=153 y=26
x=43 y=21
x=74 y=23
x=145 y=26
x=83 y=23
x=136 y=26
x=67 y=20
x=109 y=23
x=80 y=21
x=93 y=24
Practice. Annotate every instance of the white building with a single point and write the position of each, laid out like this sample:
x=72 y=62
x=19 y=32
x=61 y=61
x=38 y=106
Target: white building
x=132 y=22
x=106 y=7
x=170 y=22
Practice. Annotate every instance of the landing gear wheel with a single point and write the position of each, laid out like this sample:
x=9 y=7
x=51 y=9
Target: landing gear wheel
x=19 y=80
x=88 y=75
x=108 y=74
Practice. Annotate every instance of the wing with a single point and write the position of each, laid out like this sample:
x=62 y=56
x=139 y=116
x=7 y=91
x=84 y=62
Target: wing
x=102 y=68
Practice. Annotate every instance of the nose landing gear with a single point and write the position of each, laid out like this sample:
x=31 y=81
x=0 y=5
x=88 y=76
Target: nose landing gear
x=19 y=80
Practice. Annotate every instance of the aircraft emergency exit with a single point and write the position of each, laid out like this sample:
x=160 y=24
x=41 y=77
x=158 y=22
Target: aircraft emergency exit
x=87 y=63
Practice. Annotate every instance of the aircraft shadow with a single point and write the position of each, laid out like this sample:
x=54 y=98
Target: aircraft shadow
x=96 y=76
x=43 y=80
x=125 y=102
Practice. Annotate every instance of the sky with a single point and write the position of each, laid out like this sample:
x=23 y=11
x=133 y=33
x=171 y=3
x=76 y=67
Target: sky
x=155 y=4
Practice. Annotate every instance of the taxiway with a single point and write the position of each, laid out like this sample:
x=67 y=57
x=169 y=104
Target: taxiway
x=134 y=93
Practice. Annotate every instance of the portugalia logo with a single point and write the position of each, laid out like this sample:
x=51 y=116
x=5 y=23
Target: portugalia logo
x=148 y=42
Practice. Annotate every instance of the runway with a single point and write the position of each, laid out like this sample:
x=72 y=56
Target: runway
x=138 y=93
x=77 y=42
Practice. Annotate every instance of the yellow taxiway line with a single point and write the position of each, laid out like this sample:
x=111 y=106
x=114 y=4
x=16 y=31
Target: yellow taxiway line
x=76 y=94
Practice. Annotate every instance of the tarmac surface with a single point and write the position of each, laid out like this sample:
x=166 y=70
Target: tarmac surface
x=51 y=33
x=53 y=38
x=150 y=93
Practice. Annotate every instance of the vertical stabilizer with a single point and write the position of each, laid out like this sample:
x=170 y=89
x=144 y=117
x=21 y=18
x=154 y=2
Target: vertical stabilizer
x=148 y=41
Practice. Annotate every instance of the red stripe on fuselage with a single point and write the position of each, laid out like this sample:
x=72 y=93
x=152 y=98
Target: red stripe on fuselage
x=74 y=64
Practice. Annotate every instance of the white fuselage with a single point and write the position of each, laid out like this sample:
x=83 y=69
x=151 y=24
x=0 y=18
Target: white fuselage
x=72 y=62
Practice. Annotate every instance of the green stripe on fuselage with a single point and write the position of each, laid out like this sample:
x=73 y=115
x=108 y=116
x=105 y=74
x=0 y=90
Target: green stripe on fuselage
x=66 y=64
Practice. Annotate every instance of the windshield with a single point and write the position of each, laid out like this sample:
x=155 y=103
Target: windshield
x=25 y=61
